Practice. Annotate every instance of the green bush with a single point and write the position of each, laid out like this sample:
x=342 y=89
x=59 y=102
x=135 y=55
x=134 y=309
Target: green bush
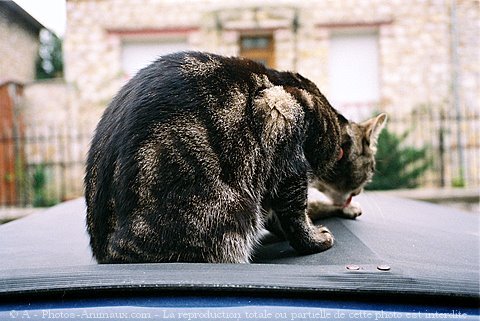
x=40 y=197
x=398 y=166
x=49 y=63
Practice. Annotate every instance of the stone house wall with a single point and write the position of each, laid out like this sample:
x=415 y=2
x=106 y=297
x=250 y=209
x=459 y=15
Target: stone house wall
x=416 y=41
x=51 y=139
x=18 y=51
x=45 y=104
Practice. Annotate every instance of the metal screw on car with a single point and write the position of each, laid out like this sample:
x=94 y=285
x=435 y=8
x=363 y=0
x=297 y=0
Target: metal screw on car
x=383 y=267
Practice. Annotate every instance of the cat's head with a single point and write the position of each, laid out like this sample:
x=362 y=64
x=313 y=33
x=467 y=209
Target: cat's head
x=355 y=165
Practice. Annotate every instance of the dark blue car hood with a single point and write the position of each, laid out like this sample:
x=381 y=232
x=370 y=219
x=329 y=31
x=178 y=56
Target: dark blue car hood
x=424 y=250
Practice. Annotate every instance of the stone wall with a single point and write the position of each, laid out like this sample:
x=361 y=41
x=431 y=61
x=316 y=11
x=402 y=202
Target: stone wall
x=468 y=32
x=52 y=139
x=45 y=104
x=415 y=38
x=414 y=41
x=18 y=51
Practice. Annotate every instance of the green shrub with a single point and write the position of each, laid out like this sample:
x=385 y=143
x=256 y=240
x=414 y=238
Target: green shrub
x=39 y=184
x=398 y=166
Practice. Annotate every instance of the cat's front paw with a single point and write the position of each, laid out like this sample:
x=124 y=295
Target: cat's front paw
x=352 y=210
x=324 y=237
x=320 y=239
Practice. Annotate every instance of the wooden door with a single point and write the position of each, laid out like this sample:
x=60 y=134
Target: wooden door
x=9 y=140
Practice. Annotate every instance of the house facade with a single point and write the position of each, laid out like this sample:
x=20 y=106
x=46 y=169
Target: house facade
x=364 y=55
x=19 y=36
x=407 y=58
x=19 y=43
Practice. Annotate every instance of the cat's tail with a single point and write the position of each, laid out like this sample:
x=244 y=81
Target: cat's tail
x=98 y=195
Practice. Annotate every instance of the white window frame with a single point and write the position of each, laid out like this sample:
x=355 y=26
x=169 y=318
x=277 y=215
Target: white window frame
x=354 y=70
x=132 y=58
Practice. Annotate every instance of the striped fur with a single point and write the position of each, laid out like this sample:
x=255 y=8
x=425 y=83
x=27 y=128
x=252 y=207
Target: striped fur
x=198 y=152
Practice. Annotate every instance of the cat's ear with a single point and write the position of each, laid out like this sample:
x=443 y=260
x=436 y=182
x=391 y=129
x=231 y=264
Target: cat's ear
x=373 y=127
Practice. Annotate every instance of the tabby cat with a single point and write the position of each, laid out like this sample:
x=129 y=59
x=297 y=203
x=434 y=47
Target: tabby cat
x=198 y=153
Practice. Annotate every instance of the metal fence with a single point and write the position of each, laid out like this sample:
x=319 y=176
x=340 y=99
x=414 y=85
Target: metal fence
x=452 y=144
x=41 y=166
